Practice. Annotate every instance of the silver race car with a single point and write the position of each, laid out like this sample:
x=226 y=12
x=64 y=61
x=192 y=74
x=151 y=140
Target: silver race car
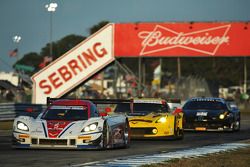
x=74 y=124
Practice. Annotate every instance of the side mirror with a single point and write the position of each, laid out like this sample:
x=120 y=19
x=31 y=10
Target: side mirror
x=103 y=114
x=177 y=111
x=29 y=109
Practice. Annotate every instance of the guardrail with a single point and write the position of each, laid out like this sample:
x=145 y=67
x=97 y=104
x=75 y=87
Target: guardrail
x=8 y=111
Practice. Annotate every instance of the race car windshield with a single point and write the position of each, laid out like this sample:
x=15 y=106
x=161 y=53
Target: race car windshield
x=123 y=107
x=69 y=113
x=149 y=108
x=204 y=105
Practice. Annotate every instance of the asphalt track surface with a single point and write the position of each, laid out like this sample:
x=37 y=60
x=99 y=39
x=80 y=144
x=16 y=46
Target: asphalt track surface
x=14 y=157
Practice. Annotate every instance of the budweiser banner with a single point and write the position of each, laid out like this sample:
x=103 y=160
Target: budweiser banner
x=182 y=39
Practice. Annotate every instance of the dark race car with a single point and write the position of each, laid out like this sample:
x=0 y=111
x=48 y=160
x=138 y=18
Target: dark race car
x=211 y=114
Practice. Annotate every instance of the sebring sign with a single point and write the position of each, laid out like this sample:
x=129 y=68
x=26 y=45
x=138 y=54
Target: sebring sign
x=75 y=66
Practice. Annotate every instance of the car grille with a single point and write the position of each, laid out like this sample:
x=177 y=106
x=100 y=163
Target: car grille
x=212 y=125
x=60 y=142
x=53 y=142
x=142 y=131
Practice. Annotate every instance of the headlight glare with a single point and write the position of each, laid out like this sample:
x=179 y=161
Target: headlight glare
x=162 y=120
x=90 y=127
x=222 y=116
x=86 y=129
x=22 y=126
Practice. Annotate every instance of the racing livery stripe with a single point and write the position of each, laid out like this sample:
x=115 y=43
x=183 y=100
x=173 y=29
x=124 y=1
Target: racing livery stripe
x=19 y=132
x=92 y=133
x=65 y=130
x=44 y=129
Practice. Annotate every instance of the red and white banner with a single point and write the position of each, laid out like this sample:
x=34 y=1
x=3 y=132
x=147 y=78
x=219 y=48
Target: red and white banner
x=142 y=39
x=182 y=39
x=75 y=66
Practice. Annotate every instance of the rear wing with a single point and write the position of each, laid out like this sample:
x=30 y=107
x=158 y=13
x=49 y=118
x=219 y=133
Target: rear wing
x=95 y=101
x=110 y=106
x=173 y=100
x=104 y=105
x=108 y=101
x=51 y=100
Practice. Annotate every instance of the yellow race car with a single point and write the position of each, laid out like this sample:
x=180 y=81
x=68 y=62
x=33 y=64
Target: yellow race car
x=148 y=117
x=151 y=118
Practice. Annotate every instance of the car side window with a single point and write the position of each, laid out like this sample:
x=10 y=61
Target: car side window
x=93 y=111
x=167 y=108
x=232 y=106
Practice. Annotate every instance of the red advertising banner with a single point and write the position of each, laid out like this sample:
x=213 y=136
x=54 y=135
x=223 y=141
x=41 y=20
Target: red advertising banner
x=182 y=39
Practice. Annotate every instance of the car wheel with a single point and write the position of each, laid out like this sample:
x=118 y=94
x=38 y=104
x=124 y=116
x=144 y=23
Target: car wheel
x=236 y=125
x=106 y=136
x=126 y=135
x=179 y=134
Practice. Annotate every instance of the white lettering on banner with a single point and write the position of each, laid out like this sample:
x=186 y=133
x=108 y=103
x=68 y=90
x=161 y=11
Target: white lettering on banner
x=75 y=66
x=162 y=38
x=156 y=38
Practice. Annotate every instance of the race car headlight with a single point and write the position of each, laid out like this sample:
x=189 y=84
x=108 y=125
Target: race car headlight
x=222 y=116
x=22 y=126
x=162 y=120
x=90 y=127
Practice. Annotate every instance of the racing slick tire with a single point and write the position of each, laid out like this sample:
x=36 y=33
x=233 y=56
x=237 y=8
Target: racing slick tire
x=106 y=136
x=126 y=135
x=236 y=125
x=179 y=134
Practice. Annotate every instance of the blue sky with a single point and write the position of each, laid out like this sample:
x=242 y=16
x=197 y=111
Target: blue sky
x=30 y=19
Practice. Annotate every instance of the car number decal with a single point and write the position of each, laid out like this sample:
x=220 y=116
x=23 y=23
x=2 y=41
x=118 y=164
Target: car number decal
x=201 y=114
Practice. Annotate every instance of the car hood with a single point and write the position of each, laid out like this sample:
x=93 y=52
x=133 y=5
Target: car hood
x=151 y=117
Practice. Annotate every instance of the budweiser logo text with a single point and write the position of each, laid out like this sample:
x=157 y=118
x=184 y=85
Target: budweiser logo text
x=162 y=38
x=157 y=38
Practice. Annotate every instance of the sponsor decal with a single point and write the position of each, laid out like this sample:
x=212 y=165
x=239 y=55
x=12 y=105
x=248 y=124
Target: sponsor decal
x=56 y=127
x=201 y=114
x=182 y=39
x=37 y=131
x=118 y=135
x=163 y=38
